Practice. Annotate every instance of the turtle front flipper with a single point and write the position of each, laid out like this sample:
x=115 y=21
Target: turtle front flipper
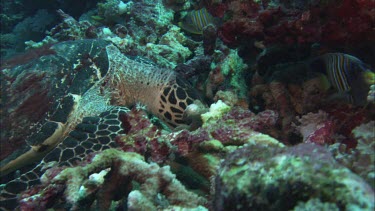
x=91 y=135
x=50 y=135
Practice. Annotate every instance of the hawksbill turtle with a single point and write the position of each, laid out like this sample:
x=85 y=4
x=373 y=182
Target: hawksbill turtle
x=69 y=103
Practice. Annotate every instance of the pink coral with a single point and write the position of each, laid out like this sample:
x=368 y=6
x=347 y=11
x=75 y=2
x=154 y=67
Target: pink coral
x=144 y=138
x=348 y=116
x=46 y=197
x=316 y=128
x=235 y=128
x=330 y=22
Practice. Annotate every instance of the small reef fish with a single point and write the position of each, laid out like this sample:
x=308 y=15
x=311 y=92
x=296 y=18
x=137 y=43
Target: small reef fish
x=196 y=20
x=350 y=76
x=97 y=18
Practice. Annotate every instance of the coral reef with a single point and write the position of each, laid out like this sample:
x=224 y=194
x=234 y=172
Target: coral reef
x=70 y=28
x=253 y=117
x=209 y=39
x=12 y=12
x=360 y=158
x=144 y=137
x=334 y=125
x=30 y=28
x=146 y=29
x=281 y=22
x=316 y=128
x=171 y=49
x=84 y=189
x=259 y=177
x=306 y=92
x=85 y=185
x=227 y=71
x=135 y=27
x=112 y=10
x=194 y=67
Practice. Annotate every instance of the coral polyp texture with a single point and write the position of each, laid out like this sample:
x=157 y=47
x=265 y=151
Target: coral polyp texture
x=187 y=105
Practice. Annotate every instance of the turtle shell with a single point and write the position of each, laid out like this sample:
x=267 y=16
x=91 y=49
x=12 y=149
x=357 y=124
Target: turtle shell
x=37 y=94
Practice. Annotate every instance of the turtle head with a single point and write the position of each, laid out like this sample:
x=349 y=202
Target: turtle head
x=174 y=100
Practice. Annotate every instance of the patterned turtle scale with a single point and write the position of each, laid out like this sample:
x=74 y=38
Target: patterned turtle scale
x=94 y=134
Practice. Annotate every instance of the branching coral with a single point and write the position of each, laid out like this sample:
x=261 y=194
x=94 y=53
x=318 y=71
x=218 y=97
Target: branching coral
x=158 y=187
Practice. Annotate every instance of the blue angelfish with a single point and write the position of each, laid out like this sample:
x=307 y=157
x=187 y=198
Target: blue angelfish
x=195 y=21
x=350 y=76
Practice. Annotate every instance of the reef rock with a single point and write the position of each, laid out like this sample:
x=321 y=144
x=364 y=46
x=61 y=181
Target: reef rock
x=270 y=178
x=83 y=185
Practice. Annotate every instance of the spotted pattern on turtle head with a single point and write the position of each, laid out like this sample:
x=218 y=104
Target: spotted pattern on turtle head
x=163 y=92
